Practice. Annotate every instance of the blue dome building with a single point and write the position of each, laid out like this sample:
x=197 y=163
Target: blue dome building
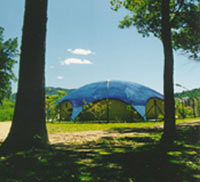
x=129 y=93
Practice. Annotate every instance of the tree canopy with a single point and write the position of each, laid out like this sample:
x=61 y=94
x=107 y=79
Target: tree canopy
x=8 y=53
x=146 y=16
x=176 y=24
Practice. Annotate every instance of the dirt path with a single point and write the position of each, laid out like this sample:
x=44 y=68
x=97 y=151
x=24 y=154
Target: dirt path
x=4 y=129
x=85 y=136
x=79 y=137
x=67 y=138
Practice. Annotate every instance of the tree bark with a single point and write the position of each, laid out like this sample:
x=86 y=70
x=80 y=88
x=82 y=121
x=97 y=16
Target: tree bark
x=169 y=123
x=28 y=127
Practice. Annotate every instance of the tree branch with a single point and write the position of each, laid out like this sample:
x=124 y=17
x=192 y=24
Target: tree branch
x=177 y=12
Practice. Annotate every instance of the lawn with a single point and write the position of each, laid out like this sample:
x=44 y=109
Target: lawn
x=138 y=157
x=62 y=127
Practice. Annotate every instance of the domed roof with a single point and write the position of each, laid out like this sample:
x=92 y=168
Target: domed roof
x=129 y=92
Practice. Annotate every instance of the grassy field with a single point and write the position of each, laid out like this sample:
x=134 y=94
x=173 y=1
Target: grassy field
x=139 y=157
x=61 y=127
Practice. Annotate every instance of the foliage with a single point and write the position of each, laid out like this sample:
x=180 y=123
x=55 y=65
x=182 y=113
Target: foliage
x=52 y=109
x=187 y=107
x=173 y=22
x=8 y=52
x=7 y=110
x=194 y=93
x=54 y=90
x=145 y=15
x=136 y=157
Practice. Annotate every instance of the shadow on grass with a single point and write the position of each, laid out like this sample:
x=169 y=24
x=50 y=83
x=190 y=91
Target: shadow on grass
x=134 y=158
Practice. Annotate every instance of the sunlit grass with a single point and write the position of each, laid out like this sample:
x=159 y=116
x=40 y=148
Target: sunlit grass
x=187 y=120
x=62 y=127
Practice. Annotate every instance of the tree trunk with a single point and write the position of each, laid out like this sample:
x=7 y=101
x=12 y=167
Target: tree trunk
x=29 y=128
x=169 y=123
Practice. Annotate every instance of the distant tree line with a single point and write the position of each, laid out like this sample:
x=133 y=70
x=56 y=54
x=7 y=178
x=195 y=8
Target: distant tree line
x=52 y=110
x=187 y=105
x=194 y=93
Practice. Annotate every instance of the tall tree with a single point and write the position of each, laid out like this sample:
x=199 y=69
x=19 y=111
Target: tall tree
x=8 y=53
x=28 y=127
x=169 y=124
x=177 y=24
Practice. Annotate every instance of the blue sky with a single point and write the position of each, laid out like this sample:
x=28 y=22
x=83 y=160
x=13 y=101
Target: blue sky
x=85 y=45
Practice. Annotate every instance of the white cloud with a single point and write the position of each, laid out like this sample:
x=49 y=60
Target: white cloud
x=60 y=77
x=80 y=51
x=75 y=61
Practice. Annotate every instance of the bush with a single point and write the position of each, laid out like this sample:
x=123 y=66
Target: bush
x=7 y=110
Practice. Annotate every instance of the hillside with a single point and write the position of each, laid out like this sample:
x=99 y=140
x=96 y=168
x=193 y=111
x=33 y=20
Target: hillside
x=49 y=91
x=53 y=90
x=194 y=93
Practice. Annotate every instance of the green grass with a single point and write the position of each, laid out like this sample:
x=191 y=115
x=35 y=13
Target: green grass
x=64 y=127
x=61 y=127
x=138 y=157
